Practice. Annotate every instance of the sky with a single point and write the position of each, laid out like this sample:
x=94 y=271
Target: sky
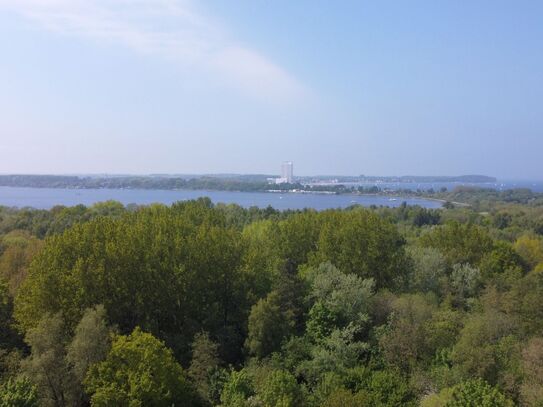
x=238 y=86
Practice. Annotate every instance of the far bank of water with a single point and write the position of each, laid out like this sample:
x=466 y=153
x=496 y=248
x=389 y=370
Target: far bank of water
x=46 y=198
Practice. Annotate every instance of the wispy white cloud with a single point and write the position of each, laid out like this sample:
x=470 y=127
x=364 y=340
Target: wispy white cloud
x=169 y=28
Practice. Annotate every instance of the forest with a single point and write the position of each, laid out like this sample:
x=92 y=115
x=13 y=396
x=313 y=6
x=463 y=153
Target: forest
x=260 y=183
x=202 y=304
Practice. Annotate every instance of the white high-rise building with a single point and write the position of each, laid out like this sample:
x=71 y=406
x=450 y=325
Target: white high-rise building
x=287 y=172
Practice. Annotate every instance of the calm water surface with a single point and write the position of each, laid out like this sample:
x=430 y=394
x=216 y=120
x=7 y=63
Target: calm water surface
x=45 y=198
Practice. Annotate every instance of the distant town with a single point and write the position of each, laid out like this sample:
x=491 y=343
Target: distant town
x=286 y=181
x=287 y=177
x=450 y=190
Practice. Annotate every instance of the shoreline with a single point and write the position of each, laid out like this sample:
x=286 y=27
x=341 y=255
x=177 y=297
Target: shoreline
x=397 y=195
x=43 y=198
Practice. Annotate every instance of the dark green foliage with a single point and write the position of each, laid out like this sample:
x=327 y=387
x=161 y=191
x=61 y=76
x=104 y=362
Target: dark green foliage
x=9 y=337
x=460 y=243
x=417 y=216
x=361 y=243
x=268 y=326
x=204 y=363
x=526 y=303
x=321 y=322
x=279 y=315
x=404 y=341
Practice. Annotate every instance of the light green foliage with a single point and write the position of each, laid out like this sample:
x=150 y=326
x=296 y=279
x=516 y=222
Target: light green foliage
x=437 y=399
x=262 y=259
x=18 y=393
x=485 y=346
x=339 y=299
x=442 y=329
x=330 y=307
x=530 y=248
x=368 y=388
x=46 y=367
x=336 y=353
x=172 y=271
x=280 y=389
x=299 y=236
x=342 y=397
x=429 y=269
x=443 y=373
x=321 y=322
x=477 y=393
x=503 y=259
x=91 y=342
x=389 y=388
x=237 y=390
x=57 y=370
x=138 y=371
x=465 y=282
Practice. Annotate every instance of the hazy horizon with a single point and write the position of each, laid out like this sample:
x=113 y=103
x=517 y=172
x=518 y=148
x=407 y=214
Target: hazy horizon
x=185 y=87
x=272 y=174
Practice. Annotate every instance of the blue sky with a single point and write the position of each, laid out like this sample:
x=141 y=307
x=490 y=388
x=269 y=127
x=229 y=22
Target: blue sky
x=175 y=86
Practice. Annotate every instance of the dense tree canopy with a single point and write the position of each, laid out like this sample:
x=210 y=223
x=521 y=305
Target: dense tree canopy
x=217 y=305
x=139 y=371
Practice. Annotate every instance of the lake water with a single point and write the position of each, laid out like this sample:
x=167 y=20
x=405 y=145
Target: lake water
x=45 y=198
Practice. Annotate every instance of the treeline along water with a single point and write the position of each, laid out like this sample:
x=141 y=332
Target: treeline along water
x=45 y=198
